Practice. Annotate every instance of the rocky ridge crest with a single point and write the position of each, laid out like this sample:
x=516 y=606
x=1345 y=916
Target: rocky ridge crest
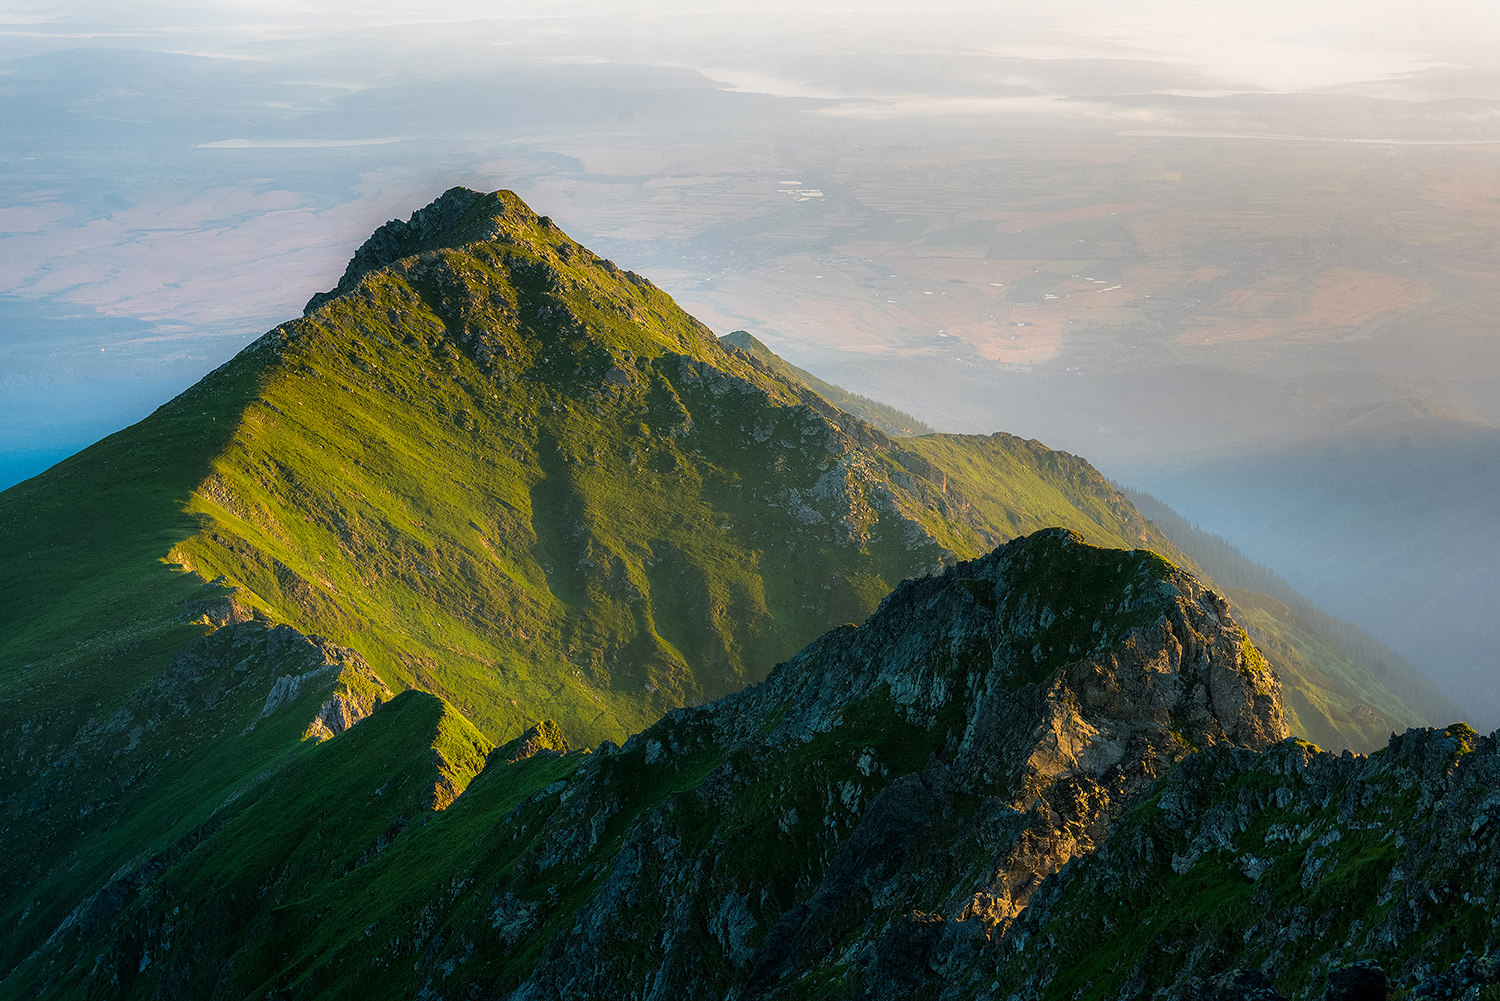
x=1043 y=687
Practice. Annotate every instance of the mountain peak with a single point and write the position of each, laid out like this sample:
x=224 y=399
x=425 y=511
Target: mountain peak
x=485 y=274
x=456 y=218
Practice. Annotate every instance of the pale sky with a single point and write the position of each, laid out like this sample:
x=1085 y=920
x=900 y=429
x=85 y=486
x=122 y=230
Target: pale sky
x=1445 y=49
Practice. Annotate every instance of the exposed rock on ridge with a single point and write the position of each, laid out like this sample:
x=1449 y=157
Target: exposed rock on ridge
x=870 y=821
x=1051 y=681
x=440 y=224
x=1293 y=862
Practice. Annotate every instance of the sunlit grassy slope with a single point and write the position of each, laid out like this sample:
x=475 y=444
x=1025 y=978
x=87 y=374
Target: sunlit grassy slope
x=513 y=476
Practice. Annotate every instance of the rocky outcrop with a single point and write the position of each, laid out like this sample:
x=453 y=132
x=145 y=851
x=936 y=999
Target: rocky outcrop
x=439 y=224
x=1295 y=863
x=358 y=693
x=931 y=767
x=545 y=736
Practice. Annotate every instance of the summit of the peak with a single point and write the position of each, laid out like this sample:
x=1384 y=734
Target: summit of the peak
x=458 y=216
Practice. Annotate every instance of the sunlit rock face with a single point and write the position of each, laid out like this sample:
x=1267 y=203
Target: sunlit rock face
x=885 y=804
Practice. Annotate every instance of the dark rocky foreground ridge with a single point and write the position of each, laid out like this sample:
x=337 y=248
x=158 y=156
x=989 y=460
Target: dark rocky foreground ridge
x=1057 y=771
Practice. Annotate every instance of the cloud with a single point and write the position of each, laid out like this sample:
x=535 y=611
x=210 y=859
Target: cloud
x=297 y=143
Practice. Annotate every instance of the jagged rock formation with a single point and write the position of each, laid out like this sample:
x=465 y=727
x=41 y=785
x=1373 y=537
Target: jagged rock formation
x=1293 y=862
x=983 y=728
x=1343 y=687
x=444 y=223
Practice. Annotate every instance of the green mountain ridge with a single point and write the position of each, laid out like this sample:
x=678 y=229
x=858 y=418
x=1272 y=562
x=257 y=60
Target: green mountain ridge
x=489 y=492
x=505 y=473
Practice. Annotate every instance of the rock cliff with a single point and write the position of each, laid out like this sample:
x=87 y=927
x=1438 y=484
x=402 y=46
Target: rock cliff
x=887 y=802
x=1293 y=862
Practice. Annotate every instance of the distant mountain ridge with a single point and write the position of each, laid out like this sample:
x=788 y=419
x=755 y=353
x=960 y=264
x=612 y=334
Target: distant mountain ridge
x=890 y=420
x=1331 y=666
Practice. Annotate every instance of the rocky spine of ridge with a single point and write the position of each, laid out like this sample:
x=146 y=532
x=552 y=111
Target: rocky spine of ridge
x=871 y=821
x=1052 y=682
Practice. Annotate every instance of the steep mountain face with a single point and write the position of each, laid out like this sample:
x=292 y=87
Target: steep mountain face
x=894 y=793
x=489 y=466
x=484 y=458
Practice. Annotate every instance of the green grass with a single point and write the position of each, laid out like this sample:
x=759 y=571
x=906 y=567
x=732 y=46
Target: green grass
x=1336 y=702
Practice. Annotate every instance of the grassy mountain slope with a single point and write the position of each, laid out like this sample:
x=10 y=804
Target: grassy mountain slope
x=1344 y=687
x=491 y=467
x=488 y=466
x=887 y=418
x=476 y=466
x=863 y=824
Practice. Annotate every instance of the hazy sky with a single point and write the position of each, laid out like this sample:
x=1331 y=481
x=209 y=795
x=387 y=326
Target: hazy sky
x=133 y=205
x=129 y=190
x=1431 y=50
